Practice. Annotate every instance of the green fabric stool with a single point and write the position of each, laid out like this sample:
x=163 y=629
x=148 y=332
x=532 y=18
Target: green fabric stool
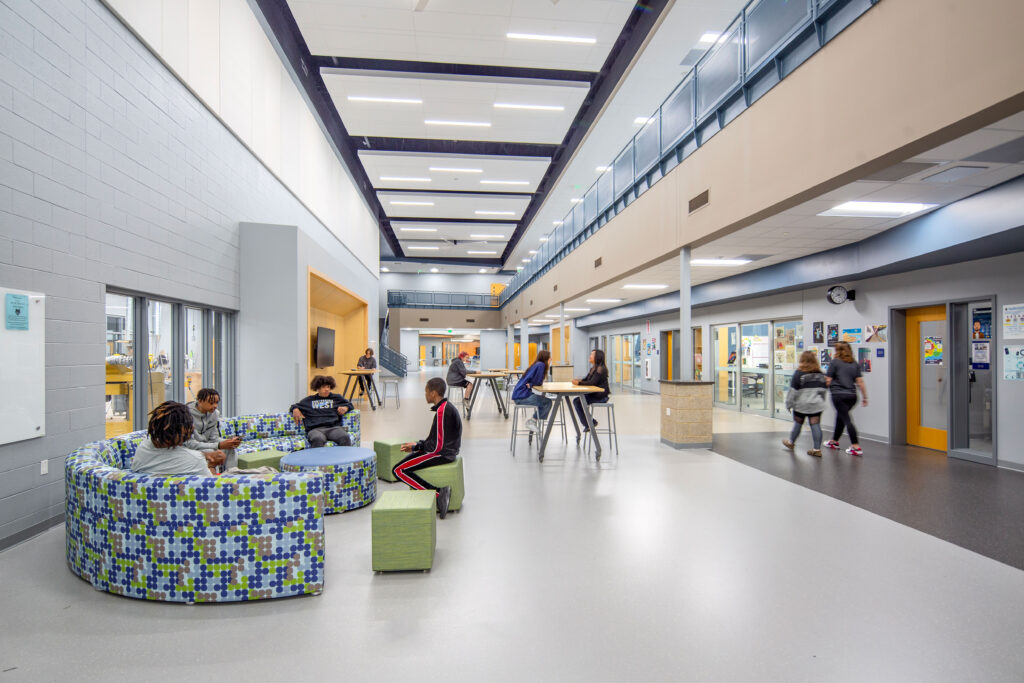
x=271 y=458
x=447 y=475
x=389 y=454
x=404 y=530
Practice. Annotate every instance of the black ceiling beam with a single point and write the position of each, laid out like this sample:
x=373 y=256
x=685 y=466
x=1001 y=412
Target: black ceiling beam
x=462 y=147
x=286 y=31
x=480 y=193
x=446 y=261
x=638 y=26
x=481 y=71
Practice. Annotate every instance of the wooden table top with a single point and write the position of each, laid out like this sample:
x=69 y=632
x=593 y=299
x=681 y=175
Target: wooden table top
x=485 y=375
x=357 y=371
x=506 y=371
x=566 y=388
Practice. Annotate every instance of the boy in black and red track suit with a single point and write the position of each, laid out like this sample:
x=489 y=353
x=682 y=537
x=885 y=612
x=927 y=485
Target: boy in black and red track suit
x=440 y=447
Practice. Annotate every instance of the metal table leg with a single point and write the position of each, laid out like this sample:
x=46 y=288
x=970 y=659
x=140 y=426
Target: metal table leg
x=548 y=424
x=472 y=398
x=366 y=388
x=497 y=396
x=344 y=392
x=374 y=385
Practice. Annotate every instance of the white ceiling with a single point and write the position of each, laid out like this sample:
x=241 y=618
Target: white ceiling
x=410 y=165
x=463 y=31
x=454 y=100
x=800 y=231
x=423 y=205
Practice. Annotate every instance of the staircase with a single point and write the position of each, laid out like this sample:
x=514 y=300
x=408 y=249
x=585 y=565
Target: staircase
x=391 y=360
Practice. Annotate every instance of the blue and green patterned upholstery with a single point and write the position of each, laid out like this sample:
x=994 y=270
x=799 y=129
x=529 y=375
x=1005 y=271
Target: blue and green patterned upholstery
x=279 y=431
x=191 y=539
x=350 y=474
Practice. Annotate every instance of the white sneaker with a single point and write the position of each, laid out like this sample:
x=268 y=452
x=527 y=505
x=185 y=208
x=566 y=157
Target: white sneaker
x=532 y=424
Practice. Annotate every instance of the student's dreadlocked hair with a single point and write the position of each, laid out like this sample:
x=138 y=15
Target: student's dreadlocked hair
x=170 y=424
x=207 y=393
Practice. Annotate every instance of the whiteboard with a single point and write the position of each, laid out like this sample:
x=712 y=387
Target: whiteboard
x=23 y=370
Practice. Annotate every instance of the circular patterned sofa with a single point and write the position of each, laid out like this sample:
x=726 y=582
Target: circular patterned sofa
x=197 y=539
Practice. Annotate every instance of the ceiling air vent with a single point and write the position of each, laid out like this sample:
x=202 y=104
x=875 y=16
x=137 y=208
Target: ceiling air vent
x=597 y=263
x=953 y=174
x=424 y=320
x=899 y=171
x=470 y=320
x=699 y=201
x=556 y=288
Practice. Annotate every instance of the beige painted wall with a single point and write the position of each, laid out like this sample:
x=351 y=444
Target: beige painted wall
x=889 y=87
x=413 y=318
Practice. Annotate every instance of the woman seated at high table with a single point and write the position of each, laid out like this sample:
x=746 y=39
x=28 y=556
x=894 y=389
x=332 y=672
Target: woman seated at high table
x=597 y=377
x=457 y=375
x=366 y=362
x=523 y=393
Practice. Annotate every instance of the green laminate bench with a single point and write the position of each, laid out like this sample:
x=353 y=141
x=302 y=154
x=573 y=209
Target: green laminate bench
x=269 y=458
x=449 y=474
x=389 y=453
x=404 y=531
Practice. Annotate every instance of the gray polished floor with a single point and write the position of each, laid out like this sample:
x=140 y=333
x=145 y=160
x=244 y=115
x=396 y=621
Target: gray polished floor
x=655 y=565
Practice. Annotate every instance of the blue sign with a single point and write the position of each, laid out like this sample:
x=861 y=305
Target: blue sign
x=16 y=306
x=880 y=352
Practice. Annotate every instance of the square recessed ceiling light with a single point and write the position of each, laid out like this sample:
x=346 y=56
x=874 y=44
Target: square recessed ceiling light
x=876 y=209
x=644 y=286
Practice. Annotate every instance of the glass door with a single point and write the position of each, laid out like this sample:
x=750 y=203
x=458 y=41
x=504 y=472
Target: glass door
x=788 y=344
x=193 y=352
x=698 y=354
x=971 y=380
x=756 y=368
x=161 y=349
x=724 y=350
x=637 y=370
x=120 y=365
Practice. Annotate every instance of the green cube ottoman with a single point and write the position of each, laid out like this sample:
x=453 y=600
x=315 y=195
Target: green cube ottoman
x=404 y=530
x=389 y=453
x=271 y=458
x=449 y=474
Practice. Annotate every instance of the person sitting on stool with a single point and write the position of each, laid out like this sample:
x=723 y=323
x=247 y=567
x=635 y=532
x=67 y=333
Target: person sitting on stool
x=366 y=362
x=597 y=377
x=320 y=413
x=440 y=447
x=457 y=375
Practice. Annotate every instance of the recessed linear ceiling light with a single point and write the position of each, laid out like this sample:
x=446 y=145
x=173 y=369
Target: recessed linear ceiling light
x=482 y=253
x=642 y=120
x=644 y=286
x=404 y=203
x=495 y=213
x=475 y=124
x=533 y=251
x=423 y=248
x=543 y=239
x=710 y=38
x=386 y=100
x=487 y=237
x=581 y=310
x=554 y=39
x=876 y=209
x=482 y=270
x=538 y=107
x=404 y=179
x=504 y=182
x=418 y=229
x=603 y=169
x=557 y=223
x=433 y=270
x=576 y=200
x=526 y=260
x=385 y=269
x=719 y=261
x=446 y=169
x=603 y=301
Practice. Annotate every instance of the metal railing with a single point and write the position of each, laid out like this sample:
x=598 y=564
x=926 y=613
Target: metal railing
x=408 y=298
x=764 y=44
x=393 y=361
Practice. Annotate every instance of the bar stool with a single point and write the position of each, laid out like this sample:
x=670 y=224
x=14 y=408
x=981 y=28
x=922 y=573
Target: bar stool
x=559 y=409
x=389 y=382
x=609 y=426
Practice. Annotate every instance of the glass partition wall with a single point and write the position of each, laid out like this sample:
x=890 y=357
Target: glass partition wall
x=183 y=348
x=754 y=364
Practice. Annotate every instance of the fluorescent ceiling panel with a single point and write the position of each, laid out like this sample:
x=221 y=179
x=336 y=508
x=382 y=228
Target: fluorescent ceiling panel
x=453 y=173
x=410 y=204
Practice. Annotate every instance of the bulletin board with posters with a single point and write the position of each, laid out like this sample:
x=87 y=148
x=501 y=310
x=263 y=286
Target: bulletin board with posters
x=22 y=366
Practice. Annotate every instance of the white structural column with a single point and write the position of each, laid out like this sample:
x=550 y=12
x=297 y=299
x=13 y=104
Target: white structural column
x=524 y=344
x=511 y=344
x=685 y=334
x=561 y=333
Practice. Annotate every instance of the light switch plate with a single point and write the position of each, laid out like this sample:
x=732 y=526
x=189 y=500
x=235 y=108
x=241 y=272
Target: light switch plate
x=668 y=411
x=44 y=466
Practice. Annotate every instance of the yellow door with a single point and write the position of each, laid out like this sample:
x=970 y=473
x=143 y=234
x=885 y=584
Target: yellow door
x=927 y=390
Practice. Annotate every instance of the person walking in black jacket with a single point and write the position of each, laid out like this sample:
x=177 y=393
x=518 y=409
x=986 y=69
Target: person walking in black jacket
x=597 y=377
x=440 y=447
x=320 y=413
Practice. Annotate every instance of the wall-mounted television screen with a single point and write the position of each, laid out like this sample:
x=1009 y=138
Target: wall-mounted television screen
x=324 y=348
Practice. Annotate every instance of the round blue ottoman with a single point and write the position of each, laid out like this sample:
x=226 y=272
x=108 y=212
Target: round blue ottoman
x=350 y=474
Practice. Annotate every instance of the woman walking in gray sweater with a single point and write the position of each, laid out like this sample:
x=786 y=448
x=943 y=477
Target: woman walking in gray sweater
x=807 y=399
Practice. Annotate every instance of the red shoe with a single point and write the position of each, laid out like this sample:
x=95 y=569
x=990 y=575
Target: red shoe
x=855 y=450
x=834 y=445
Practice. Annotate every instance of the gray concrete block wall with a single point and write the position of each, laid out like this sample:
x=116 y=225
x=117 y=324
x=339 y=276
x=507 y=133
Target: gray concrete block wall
x=112 y=174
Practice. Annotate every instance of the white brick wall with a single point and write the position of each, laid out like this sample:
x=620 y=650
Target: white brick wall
x=111 y=174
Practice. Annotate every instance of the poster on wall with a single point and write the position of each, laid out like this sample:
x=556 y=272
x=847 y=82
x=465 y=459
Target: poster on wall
x=1013 y=363
x=852 y=335
x=933 y=350
x=826 y=358
x=876 y=333
x=864 y=358
x=833 y=334
x=819 y=333
x=980 y=354
x=780 y=359
x=16 y=306
x=981 y=323
x=1013 y=321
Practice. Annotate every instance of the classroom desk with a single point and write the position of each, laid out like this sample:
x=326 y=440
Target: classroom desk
x=360 y=376
x=491 y=378
x=566 y=391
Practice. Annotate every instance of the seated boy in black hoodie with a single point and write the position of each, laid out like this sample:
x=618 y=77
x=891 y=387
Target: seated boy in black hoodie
x=440 y=447
x=321 y=413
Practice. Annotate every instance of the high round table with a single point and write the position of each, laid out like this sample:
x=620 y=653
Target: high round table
x=363 y=379
x=566 y=391
x=349 y=472
x=492 y=378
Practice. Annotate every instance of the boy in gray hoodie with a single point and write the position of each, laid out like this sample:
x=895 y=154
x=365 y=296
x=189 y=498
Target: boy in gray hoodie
x=206 y=435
